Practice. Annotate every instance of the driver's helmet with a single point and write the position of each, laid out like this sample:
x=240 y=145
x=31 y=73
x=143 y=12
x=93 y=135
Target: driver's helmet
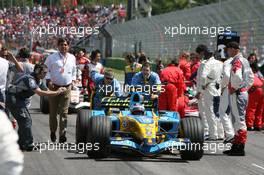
x=137 y=109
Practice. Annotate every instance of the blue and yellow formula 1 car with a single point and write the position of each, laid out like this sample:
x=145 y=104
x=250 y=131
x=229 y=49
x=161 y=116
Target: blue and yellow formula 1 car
x=133 y=124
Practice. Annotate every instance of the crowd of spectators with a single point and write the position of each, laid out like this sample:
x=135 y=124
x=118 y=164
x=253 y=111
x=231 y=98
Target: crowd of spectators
x=17 y=23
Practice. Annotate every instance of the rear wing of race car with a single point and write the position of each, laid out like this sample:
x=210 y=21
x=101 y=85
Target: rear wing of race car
x=124 y=102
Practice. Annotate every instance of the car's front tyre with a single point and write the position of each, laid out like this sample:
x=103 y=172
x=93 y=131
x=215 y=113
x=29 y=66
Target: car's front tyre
x=192 y=128
x=99 y=134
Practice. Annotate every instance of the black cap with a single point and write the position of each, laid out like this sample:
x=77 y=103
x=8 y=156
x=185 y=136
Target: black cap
x=233 y=45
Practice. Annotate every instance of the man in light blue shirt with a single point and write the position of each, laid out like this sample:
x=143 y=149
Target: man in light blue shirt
x=147 y=81
x=105 y=85
x=146 y=76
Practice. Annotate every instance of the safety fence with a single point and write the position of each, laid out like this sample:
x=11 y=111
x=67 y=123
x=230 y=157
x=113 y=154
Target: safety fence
x=167 y=35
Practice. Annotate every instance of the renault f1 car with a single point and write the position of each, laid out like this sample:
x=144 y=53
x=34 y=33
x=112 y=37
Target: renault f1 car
x=132 y=123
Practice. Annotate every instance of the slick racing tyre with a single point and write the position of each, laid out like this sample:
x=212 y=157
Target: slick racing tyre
x=192 y=128
x=82 y=122
x=44 y=104
x=99 y=134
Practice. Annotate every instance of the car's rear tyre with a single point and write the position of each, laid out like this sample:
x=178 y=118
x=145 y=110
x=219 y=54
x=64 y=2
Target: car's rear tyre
x=192 y=128
x=82 y=121
x=99 y=134
x=44 y=104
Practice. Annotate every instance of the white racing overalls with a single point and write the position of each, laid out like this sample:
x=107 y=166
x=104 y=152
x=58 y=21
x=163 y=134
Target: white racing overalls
x=241 y=79
x=210 y=81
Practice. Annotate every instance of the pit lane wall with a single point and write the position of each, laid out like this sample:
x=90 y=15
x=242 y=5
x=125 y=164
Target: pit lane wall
x=149 y=34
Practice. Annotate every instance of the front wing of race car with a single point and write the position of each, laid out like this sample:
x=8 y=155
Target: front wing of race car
x=170 y=145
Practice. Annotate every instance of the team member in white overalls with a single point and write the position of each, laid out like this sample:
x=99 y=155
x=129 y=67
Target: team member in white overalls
x=241 y=79
x=209 y=80
x=201 y=105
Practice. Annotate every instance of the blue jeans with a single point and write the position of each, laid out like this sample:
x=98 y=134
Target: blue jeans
x=24 y=121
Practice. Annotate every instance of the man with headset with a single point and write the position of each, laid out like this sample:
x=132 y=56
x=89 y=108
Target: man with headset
x=18 y=97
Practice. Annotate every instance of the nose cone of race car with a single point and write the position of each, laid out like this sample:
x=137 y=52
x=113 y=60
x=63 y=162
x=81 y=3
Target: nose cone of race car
x=146 y=129
x=149 y=141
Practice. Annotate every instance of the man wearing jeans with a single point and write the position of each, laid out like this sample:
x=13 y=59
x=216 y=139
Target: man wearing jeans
x=62 y=73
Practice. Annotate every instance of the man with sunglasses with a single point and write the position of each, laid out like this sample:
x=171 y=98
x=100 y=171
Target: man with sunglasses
x=17 y=100
x=105 y=85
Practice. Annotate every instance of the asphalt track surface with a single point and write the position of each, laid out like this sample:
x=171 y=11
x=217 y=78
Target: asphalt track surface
x=69 y=162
